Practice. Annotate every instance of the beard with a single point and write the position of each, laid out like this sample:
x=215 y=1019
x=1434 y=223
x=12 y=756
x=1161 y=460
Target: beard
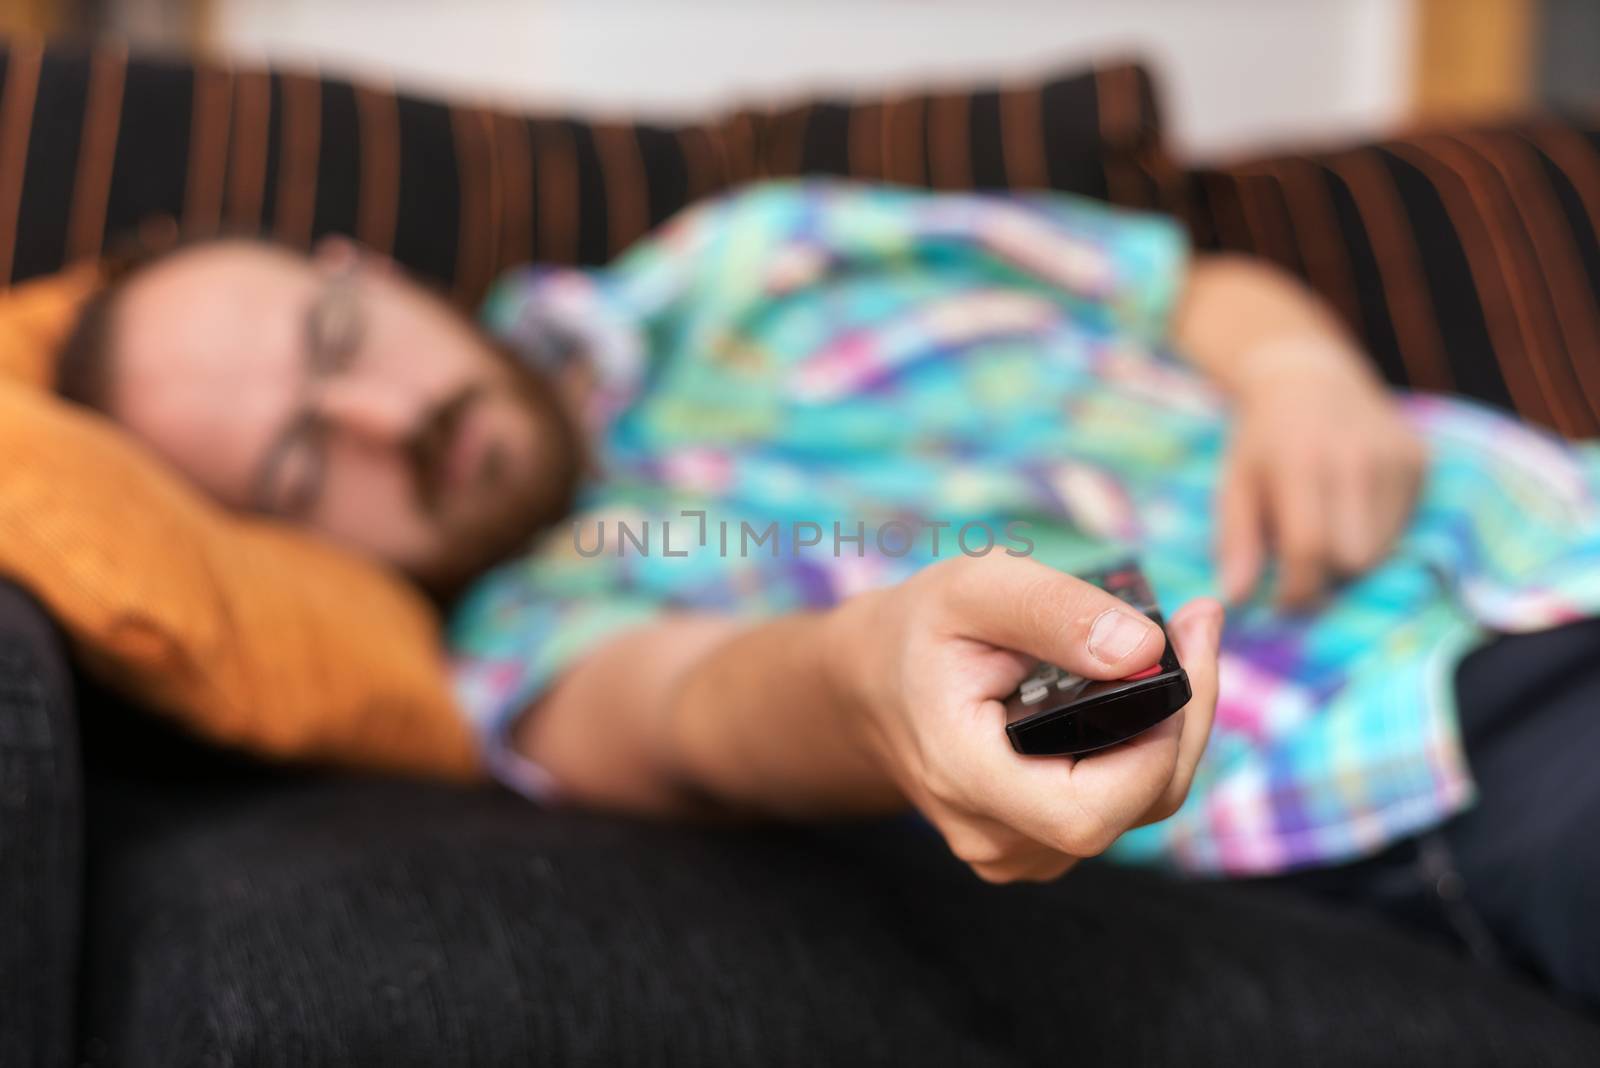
x=523 y=506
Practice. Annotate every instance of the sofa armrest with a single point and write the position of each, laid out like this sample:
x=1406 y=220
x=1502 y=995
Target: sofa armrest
x=1467 y=260
x=41 y=838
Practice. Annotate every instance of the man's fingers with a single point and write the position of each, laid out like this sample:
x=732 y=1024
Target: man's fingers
x=1020 y=604
x=1144 y=778
x=1196 y=631
x=1355 y=516
x=1197 y=639
x=1400 y=488
x=996 y=852
x=1043 y=866
x=1041 y=798
x=1074 y=807
x=1298 y=513
x=1240 y=546
x=976 y=840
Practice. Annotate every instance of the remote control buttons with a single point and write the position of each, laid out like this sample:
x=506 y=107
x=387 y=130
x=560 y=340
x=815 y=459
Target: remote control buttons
x=1038 y=685
x=1149 y=672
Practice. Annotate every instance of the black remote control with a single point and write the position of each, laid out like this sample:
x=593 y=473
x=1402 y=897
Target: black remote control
x=1055 y=712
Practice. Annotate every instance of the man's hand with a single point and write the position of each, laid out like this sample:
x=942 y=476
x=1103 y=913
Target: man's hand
x=1322 y=471
x=926 y=665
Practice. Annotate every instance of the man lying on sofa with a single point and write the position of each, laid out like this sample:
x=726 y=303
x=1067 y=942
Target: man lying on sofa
x=719 y=526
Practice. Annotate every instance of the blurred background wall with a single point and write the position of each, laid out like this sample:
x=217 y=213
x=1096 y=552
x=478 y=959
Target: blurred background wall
x=1233 y=71
x=1235 y=74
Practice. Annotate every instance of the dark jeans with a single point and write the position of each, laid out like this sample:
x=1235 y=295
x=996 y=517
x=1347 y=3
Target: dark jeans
x=1515 y=880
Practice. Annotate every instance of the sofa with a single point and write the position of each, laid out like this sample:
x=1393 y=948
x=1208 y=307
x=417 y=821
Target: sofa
x=164 y=902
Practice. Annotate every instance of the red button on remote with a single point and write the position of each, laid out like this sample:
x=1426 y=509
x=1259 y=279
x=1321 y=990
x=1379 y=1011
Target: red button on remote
x=1153 y=669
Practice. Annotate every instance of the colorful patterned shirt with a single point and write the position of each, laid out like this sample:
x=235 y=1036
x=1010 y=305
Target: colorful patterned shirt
x=823 y=363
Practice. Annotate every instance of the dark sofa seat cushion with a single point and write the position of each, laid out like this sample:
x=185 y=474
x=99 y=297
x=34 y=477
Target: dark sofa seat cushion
x=41 y=838
x=275 y=921
x=1467 y=260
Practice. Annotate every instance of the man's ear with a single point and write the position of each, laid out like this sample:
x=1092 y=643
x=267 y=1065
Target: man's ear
x=336 y=252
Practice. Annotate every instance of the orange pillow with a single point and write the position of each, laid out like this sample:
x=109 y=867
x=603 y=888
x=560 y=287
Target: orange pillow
x=35 y=317
x=245 y=631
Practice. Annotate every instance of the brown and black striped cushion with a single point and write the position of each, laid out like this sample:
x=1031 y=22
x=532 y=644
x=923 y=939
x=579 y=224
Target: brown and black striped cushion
x=92 y=144
x=1467 y=260
x=1095 y=132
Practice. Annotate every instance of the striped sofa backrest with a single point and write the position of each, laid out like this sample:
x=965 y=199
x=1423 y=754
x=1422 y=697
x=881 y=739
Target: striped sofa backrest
x=1096 y=132
x=1466 y=260
x=94 y=143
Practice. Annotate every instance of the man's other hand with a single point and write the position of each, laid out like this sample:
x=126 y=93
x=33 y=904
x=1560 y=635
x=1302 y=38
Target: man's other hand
x=1322 y=472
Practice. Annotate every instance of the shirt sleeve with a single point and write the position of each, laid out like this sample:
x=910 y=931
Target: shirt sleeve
x=510 y=638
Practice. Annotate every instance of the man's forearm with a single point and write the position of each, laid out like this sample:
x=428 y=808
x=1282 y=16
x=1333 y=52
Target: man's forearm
x=702 y=713
x=1242 y=320
x=769 y=721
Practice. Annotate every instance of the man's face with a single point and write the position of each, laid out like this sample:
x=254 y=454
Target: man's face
x=334 y=393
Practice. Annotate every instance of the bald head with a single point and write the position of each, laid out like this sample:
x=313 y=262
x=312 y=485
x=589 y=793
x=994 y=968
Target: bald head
x=334 y=392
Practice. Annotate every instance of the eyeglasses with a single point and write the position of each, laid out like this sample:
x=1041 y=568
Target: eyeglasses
x=290 y=478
